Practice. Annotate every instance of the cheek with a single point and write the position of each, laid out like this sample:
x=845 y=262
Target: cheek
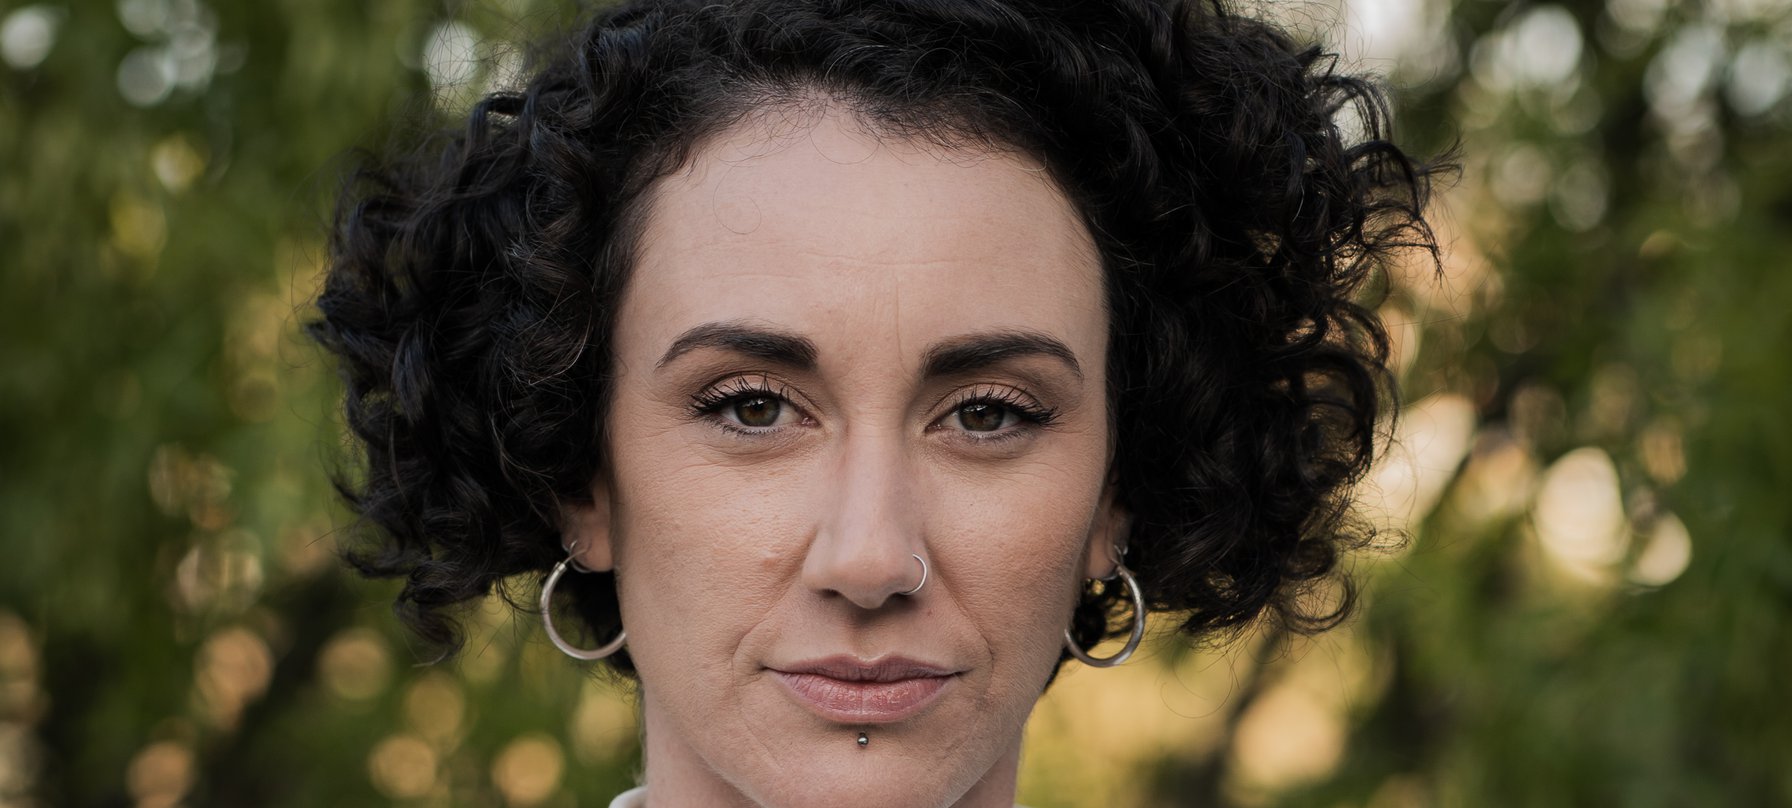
x=1017 y=539
x=701 y=552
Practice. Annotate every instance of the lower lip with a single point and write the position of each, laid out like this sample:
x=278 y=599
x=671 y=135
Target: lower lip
x=863 y=702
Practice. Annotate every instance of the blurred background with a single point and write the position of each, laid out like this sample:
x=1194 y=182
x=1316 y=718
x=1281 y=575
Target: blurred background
x=1594 y=469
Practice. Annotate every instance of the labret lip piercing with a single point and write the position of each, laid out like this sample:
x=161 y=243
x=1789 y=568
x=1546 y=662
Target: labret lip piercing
x=864 y=740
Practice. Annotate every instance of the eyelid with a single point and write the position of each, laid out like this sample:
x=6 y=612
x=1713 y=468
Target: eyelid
x=1032 y=412
x=708 y=402
x=1005 y=394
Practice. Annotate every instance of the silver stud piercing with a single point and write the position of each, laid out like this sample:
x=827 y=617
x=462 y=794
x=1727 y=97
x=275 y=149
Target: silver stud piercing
x=1138 y=625
x=547 y=621
x=864 y=740
x=919 y=585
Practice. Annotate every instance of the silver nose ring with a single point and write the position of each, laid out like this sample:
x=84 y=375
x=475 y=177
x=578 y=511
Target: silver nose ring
x=923 y=575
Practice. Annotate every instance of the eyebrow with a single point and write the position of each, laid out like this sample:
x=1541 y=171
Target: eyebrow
x=977 y=351
x=741 y=337
x=952 y=357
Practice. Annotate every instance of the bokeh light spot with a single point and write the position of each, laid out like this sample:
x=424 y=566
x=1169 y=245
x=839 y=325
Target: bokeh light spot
x=144 y=17
x=18 y=651
x=355 y=664
x=146 y=77
x=1286 y=737
x=28 y=34
x=1640 y=17
x=1663 y=451
x=1579 y=515
x=160 y=774
x=1666 y=555
x=176 y=162
x=1578 y=198
x=1407 y=479
x=1759 y=76
x=20 y=759
x=451 y=62
x=223 y=572
x=139 y=227
x=1546 y=45
x=1521 y=176
x=21 y=697
x=435 y=706
x=1498 y=479
x=403 y=767
x=603 y=726
x=234 y=668
x=528 y=770
x=1541 y=49
x=1680 y=75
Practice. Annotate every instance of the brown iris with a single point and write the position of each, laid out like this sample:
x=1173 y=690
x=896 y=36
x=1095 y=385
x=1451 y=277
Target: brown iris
x=982 y=417
x=758 y=411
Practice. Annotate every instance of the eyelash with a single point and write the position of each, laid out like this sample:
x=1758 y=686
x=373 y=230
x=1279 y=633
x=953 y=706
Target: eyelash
x=1024 y=407
x=712 y=400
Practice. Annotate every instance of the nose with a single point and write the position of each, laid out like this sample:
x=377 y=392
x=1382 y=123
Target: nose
x=870 y=529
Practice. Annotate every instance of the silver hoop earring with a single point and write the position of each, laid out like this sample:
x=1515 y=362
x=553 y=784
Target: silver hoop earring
x=547 y=620
x=1138 y=626
x=923 y=576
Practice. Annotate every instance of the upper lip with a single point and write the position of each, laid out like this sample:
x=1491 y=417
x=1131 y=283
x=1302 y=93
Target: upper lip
x=883 y=669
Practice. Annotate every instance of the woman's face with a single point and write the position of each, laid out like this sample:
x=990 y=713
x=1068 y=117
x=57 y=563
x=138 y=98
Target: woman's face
x=836 y=352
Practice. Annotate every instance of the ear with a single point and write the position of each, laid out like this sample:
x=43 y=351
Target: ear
x=586 y=525
x=1107 y=535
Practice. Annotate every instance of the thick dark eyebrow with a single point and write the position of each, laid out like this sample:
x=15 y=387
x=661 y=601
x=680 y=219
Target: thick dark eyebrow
x=978 y=351
x=742 y=337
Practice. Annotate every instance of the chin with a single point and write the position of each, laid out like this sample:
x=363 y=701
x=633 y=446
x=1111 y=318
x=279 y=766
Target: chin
x=894 y=770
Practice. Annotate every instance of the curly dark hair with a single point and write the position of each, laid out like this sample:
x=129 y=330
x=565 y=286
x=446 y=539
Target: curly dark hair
x=472 y=281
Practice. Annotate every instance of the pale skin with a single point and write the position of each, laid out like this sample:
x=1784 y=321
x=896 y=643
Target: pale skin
x=838 y=350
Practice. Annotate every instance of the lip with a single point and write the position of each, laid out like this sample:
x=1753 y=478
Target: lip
x=845 y=690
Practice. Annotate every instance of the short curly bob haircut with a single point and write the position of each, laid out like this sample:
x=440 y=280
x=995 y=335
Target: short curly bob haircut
x=472 y=281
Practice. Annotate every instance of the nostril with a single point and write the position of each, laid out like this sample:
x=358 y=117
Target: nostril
x=866 y=582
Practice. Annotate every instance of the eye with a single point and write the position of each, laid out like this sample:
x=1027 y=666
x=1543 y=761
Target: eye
x=984 y=416
x=748 y=405
x=756 y=411
x=995 y=413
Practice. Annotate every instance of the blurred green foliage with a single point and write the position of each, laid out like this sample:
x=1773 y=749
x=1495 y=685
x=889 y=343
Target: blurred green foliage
x=1593 y=473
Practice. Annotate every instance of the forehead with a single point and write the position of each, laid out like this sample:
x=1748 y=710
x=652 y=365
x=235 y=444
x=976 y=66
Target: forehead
x=856 y=239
